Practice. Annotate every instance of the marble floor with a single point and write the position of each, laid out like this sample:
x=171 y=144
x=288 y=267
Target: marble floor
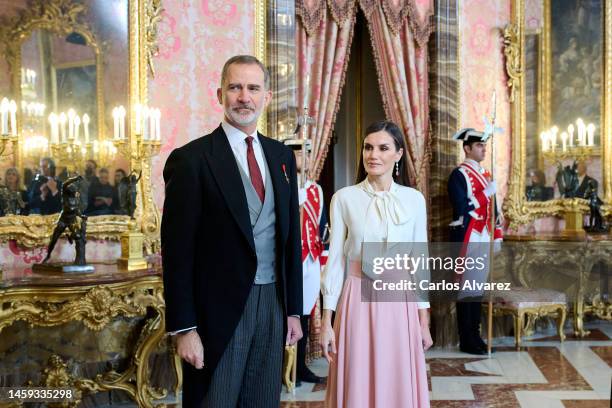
x=544 y=374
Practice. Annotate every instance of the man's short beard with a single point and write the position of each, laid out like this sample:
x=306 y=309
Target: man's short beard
x=239 y=119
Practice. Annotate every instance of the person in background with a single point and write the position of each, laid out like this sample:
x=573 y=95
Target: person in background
x=15 y=199
x=89 y=179
x=585 y=182
x=313 y=227
x=120 y=174
x=44 y=193
x=470 y=190
x=100 y=195
x=537 y=190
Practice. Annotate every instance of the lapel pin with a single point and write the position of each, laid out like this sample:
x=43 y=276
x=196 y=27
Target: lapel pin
x=285 y=172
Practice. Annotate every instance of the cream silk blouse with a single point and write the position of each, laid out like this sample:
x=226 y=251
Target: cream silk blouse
x=360 y=214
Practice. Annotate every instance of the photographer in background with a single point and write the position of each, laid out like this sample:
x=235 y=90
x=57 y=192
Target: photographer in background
x=44 y=191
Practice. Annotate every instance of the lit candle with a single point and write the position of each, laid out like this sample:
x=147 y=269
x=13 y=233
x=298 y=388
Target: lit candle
x=13 y=110
x=115 y=123
x=152 y=124
x=138 y=114
x=581 y=132
x=62 y=121
x=553 y=137
x=86 y=127
x=591 y=134
x=146 y=129
x=71 y=115
x=4 y=117
x=122 y=123
x=77 y=123
x=570 y=131
x=158 y=124
x=564 y=137
x=543 y=139
x=53 y=125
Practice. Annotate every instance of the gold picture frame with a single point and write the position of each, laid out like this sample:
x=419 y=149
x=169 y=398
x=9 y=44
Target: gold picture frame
x=517 y=209
x=62 y=16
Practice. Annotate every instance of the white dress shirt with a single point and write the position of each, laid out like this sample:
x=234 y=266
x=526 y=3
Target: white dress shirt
x=359 y=214
x=236 y=138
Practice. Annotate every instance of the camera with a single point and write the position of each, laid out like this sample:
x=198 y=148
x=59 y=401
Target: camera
x=39 y=178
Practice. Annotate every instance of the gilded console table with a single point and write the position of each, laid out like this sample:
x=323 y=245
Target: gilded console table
x=95 y=300
x=553 y=261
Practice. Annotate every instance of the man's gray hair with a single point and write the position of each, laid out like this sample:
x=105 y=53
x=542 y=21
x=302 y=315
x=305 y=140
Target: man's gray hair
x=245 y=60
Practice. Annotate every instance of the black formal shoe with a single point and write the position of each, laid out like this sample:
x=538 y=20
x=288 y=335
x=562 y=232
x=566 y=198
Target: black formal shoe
x=309 y=377
x=482 y=345
x=473 y=350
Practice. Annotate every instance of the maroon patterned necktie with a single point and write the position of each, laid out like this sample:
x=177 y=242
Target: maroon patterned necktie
x=254 y=171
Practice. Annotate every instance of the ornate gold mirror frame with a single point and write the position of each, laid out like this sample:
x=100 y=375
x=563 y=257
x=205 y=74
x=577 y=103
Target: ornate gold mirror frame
x=60 y=16
x=517 y=209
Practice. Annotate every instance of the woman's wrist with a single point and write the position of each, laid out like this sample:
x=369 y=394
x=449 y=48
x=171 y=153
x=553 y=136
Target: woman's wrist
x=326 y=317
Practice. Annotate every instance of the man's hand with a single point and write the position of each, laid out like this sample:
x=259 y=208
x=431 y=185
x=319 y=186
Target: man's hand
x=52 y=184
x=294 y=330
x=490 y=189
x=189 y=348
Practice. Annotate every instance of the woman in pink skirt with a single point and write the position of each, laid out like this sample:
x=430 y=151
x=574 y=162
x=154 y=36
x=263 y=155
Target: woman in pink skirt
x=376 y=349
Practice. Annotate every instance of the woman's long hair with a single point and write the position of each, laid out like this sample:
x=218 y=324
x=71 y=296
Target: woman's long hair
x=15 y=172
x=398 y=138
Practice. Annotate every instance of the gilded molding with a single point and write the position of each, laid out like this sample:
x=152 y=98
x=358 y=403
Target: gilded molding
x=35 y=230
x=58 y=16
x=516 y=208
x=62 y=16
x=513 y=61
x=259 y=48
x=580 y=262
x=153 y=11
x=95 y=306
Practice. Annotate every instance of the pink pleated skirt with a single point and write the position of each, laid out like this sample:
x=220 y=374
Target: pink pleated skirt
x=380 y=361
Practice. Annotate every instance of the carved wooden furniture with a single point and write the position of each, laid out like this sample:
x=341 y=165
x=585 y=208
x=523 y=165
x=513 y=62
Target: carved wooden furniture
x=525 y=303
x=94 y=300
x=576 y=266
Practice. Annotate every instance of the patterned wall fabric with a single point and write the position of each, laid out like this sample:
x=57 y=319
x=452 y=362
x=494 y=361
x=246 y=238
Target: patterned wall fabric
x=195 y=38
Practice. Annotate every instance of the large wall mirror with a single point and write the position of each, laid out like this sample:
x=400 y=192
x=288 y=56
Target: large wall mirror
x=561 y=133
x=68 y=68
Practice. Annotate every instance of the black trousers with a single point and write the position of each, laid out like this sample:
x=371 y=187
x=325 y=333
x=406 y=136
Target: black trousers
x=301 y=345
x=468 y=322
x=249 y=373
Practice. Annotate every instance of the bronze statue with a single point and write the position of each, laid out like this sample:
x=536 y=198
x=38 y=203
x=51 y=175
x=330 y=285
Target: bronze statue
x=567 y=180
x=128 y=189
x=69 y=218
x=595 y=219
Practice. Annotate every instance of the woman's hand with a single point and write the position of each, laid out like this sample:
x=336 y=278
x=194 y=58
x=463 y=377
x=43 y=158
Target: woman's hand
x=426 y=336
x=424 y=323
x=327 y=341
